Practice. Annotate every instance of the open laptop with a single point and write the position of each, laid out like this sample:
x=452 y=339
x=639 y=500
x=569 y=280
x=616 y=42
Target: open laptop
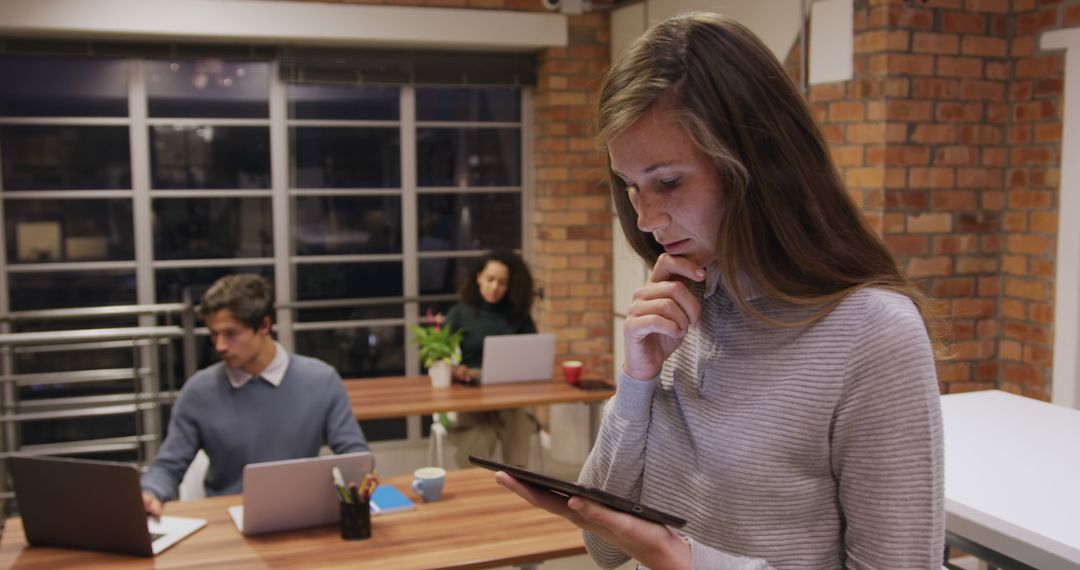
x=90 y=505
x=517 y=358
x=295 y=493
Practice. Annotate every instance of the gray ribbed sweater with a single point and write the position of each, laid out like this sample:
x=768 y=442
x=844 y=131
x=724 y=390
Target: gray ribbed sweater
x=818 y=447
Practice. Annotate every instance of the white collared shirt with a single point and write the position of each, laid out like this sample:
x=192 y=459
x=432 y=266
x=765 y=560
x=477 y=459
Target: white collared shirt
x=274 y=372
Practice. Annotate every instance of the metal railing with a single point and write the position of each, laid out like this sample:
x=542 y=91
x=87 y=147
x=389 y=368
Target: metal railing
x=146 y=374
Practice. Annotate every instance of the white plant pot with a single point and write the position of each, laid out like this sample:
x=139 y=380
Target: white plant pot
x=440 y=373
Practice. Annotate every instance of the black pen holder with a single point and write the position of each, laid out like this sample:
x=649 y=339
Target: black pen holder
x=355 y=520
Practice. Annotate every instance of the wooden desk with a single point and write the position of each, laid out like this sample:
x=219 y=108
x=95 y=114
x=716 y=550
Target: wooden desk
x=1011 y=479
x=393 y=397
x=477 y=525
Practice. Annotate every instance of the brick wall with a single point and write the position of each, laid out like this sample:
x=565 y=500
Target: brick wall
x=571 y=214
x=571 y=220
x=949 y=138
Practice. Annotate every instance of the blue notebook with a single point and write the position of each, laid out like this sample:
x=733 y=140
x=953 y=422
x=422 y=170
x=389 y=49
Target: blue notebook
x=387 y=499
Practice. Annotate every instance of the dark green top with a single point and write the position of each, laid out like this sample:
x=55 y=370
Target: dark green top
x=479 y=322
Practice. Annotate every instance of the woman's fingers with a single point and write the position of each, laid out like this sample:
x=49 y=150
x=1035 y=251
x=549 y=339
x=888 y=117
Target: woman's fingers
x=670 y=299
x=675 y=267
x=539 y=498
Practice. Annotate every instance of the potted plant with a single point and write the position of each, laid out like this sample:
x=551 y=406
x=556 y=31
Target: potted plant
x=440 y=349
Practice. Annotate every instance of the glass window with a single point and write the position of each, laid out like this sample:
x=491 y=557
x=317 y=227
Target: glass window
x=361 y=352
x=171 y=283
x=63 y=360
x=357 y=313
x=328 y=225
x=360 y=102
x=208 y=88
x=340 y=157
x=469 y=221
x=468 y=157
x=385 y=430
x=40 y=231
x=442 y=275
x=348 y=280
x=39 y=86
x=62 y=289
x=468 y=104
x=49 y=157
x=77 y=429
x=212 y=228
x=196 y=157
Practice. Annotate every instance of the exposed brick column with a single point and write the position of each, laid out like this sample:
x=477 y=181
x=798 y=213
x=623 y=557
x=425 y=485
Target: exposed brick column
x=919 y=136
x=571 y=214
x=1031 y=216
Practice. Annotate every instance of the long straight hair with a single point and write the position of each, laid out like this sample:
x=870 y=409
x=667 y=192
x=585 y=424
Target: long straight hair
x=789 y=230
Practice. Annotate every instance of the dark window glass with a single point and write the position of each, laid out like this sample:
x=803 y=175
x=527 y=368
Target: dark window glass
x=357 y=352
x=385 y=430
x=212 y=228
x=204 y=356
x=468 y=104
x=362 y=312
x=348 y=281
x=206 y=156
x=171 y=283
x=442 y=275
x=361 y=102
x=469 y=221
x=208 y=88
x=435 y=307
x=330 y=225
x=58 y=361
x=47 y=157
x=63 y=289
x=62 y=87
x=77 y=429
x=468 y=157
x=340 y=157
x=41 y=231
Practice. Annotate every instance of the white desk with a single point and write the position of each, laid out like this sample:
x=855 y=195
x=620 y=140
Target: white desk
x=1012 y=476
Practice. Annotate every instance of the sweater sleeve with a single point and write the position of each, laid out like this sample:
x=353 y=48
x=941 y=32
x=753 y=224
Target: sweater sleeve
x=181 y=444
x=887 y=444
x=343 y=433
x=617 y=460
x=616 y=464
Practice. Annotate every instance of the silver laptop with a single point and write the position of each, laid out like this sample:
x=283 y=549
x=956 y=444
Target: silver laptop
x=518 y=358
x=91 y=505
x=295 y=493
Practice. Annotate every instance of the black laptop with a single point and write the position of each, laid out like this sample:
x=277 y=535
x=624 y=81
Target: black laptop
x=90 y=505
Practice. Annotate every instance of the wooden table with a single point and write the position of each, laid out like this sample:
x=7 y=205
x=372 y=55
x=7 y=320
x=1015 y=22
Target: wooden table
x=1011 y=492
x=477 y=524
x=394 y=397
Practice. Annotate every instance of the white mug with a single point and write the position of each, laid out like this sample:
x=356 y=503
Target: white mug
x=428 y=483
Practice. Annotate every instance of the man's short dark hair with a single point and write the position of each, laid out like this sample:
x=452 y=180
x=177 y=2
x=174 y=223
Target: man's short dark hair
x=249 y=297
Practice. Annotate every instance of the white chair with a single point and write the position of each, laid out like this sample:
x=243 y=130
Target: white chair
x=437 y=439
x=191 y=486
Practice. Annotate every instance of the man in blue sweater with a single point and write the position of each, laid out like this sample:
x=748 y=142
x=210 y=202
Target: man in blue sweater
x=258 y=404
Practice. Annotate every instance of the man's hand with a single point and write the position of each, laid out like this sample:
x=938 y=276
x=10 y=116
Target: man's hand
x=651 y=544
x=662 y=312
x=152 y=504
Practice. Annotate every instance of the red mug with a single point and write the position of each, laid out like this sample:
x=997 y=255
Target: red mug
x=572 y=370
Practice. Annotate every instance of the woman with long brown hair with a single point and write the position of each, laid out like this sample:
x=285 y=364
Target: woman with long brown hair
x=779 y=389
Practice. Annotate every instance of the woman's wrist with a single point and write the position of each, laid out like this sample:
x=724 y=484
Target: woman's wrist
x=639 y=375
x=680 y=554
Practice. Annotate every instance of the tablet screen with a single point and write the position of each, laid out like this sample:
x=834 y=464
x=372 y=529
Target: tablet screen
x=568 y=489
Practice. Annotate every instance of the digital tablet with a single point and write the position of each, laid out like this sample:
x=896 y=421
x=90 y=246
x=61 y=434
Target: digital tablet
x=568 y=489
